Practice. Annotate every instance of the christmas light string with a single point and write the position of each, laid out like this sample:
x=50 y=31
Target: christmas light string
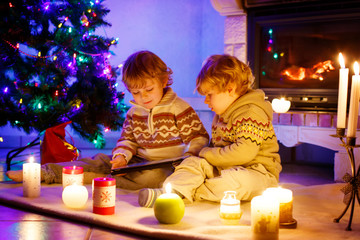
x=55 y=54
x=29 y=55
x=107 y=68
x=85 y=22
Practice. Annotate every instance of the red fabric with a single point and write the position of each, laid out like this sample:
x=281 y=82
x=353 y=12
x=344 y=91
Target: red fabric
x=55 y=148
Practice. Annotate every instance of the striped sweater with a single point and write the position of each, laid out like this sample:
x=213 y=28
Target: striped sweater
x=170 y=129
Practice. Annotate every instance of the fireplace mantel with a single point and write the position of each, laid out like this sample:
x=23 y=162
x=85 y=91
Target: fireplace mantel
x=228 y=7
x=294 y=128
x=235 y=35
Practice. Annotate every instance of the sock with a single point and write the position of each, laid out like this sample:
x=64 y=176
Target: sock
x=17 y=175
x=147 y=196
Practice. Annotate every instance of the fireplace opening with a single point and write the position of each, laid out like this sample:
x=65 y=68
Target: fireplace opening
x=293 y=49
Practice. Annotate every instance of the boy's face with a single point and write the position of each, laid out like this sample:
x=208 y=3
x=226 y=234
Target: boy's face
x=149 y=95
x=218 y=101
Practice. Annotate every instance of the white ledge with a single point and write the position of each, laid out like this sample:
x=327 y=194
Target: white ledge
x=228 y=7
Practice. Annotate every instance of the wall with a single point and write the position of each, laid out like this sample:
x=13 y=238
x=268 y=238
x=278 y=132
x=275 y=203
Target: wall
x=182 y=32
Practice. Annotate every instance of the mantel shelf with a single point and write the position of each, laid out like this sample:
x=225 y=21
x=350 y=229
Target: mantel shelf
x=294 y=128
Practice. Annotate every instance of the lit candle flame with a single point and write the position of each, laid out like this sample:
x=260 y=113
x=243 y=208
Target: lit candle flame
x=31 y=159
x=341 y=60
x=168 y=188
x=356 y=68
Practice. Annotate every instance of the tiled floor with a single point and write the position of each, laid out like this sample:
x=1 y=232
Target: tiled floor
x=18 y=224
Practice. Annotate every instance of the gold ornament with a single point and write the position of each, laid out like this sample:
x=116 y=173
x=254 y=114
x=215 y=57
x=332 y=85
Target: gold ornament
x=84 y=20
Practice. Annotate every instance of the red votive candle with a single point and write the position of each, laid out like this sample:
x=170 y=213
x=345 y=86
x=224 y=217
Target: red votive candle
x=104 y=194
x=72 y=175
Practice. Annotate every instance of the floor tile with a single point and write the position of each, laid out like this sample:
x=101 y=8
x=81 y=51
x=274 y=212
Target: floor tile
x=99 y=234
x=18 y=224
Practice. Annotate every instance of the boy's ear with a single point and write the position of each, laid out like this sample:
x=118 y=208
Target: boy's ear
x=231 y=88
x=165 y=83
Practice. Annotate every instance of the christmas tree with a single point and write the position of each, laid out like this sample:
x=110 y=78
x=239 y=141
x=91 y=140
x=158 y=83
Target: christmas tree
x=54 y=68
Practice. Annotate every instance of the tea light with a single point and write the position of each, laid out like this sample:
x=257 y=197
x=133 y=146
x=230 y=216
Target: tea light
x=285 y=198
x=31 y=179
x=169 y=208
x=230 y=211
x=72 y=175
x=265 y=218
x=280 y=105
x=104 y=194
x=75 y=196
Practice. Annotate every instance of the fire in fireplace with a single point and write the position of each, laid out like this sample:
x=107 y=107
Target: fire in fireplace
x=293 y=48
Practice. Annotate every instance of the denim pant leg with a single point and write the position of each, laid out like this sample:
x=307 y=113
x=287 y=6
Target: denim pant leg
x=136 y=180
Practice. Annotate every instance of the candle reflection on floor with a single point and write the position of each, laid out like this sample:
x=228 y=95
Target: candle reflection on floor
x=32 y=230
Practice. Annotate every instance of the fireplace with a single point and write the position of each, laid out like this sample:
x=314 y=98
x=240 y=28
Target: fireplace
x=315 y=22
x=293 y=48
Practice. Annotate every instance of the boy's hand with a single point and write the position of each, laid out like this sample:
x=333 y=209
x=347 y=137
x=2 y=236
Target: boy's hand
x=117 y=162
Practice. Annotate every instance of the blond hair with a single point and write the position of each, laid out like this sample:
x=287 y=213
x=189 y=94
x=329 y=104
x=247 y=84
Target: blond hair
x=220 y=70
x=144 y=65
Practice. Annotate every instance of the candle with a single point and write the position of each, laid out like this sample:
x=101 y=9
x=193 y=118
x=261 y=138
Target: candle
x=31 y=179
x=285 y=198
x=75 y=196
x=280 y=105
x=230 y=211
x=354 y=102
x=104 y=194
x=169 y=208
x=342 y=95
x=72 y=175
x=265 y=218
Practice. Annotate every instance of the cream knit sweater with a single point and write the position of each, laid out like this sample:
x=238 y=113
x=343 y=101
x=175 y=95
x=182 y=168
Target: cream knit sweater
x=244 y=135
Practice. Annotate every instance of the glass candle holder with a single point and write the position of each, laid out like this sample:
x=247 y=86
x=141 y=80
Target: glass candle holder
x=230 y=211
x=285 y=198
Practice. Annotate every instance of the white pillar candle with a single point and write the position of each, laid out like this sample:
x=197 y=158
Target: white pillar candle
x=354 y=102
x=72 y=175
x=285 y=198
x=75 y=196
x=342 y=95
x=265 y=218
x=230 y=211
x=31 y=179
